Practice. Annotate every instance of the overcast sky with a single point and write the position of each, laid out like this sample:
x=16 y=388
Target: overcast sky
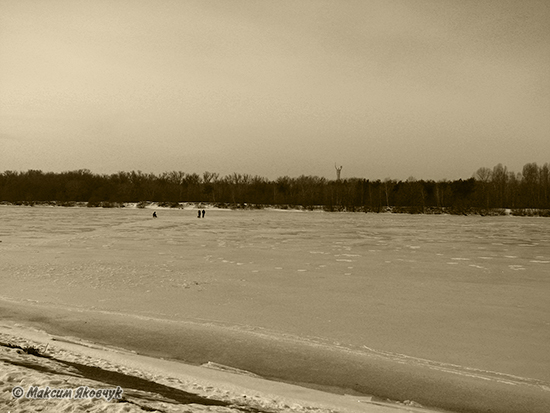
x=385 y=88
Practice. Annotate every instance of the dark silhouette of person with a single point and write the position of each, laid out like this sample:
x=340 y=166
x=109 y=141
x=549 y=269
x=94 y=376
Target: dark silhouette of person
x=203 y=212
x=199 y=214
x=155 y=214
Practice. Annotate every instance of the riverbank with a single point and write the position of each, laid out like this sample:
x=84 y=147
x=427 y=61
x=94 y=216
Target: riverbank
x=41 y=365
x=98 y=349
x=428 y=210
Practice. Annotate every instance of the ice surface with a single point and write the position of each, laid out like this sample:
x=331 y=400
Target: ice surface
x=462 y=295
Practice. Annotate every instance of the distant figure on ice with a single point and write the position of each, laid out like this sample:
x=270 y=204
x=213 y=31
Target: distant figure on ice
x=198 y=216
x=155 y=214
x=203 y=212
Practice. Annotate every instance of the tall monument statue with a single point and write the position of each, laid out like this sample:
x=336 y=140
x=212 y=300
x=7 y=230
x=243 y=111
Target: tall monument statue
x=338 y=170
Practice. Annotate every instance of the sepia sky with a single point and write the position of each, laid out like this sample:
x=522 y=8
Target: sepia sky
x=386 y=88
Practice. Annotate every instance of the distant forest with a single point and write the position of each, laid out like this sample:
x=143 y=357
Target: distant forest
x=489 y=191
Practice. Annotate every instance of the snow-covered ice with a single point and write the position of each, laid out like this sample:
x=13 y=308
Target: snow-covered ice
x=366 y=303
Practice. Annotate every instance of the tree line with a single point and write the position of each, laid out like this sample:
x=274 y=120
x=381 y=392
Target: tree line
x=487 y=191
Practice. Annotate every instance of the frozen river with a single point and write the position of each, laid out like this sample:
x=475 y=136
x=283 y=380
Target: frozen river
x=434 y=298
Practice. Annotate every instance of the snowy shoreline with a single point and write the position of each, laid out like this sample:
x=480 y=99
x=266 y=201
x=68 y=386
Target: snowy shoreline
x=35 y=361
x=47 y=337
x=524 y=212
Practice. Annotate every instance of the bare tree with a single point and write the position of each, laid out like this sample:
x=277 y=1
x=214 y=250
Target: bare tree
x=483 y=175
x=208 y=177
